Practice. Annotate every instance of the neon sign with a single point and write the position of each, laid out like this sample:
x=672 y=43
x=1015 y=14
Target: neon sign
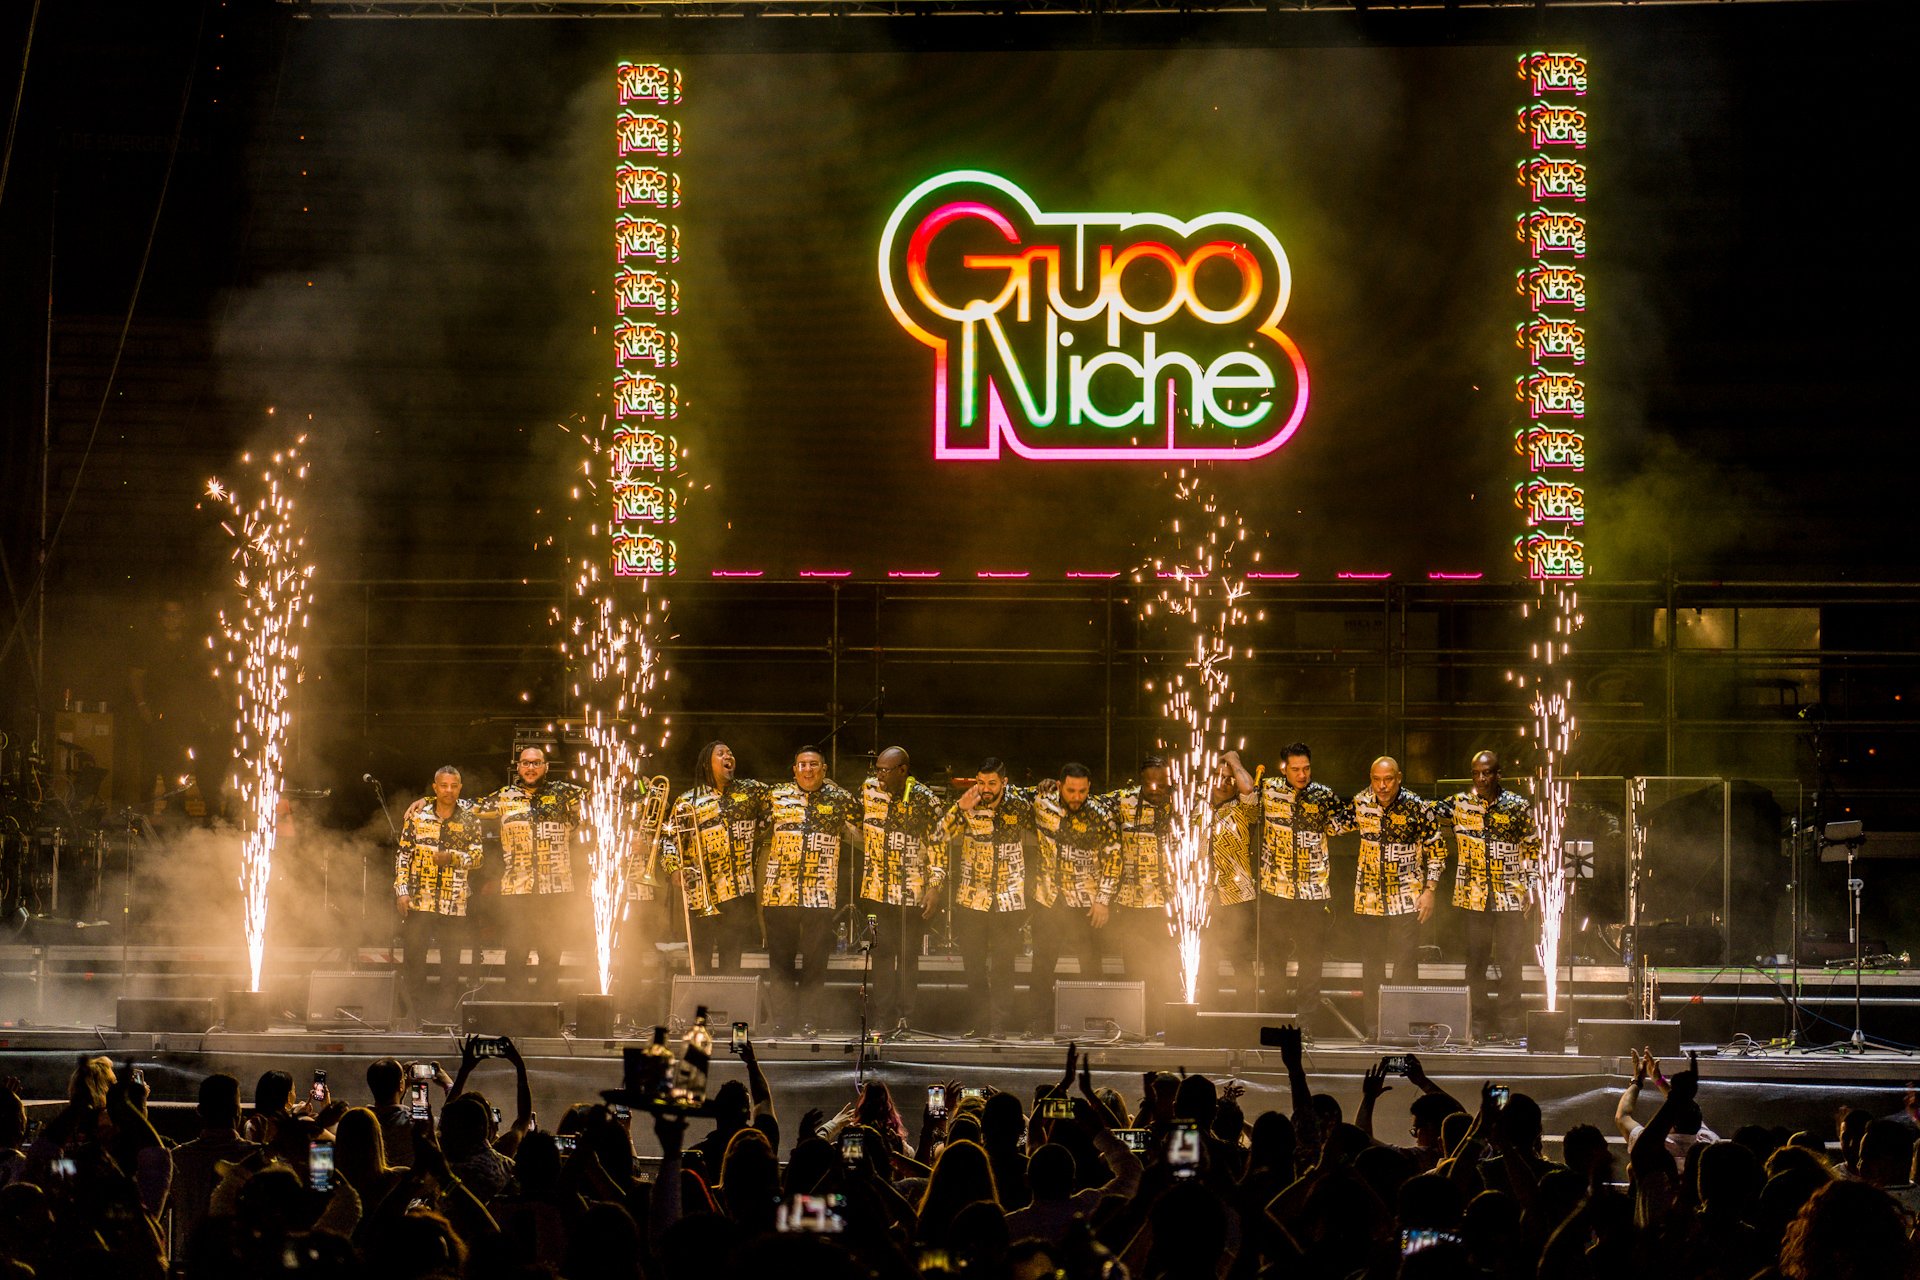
x=1554 y=395
x=1119 y=336
x=641 y=457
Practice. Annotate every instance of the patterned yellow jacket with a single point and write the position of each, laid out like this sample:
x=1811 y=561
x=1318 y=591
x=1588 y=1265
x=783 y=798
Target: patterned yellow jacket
x=1079 y=862
x=1294 y=829
x=1402 y=854
x=894 y=835
x=803 y=855
x=1144 y=828
x=536 y=835
x=423 y=836
x=1232 y=839
x=993 y=853
x=1499 y=850
x=712 y=838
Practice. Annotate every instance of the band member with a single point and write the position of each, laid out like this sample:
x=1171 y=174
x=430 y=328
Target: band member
x=1499 y=848
x=538 y=818
x=644 y=923
x=711 y=841
x=800 y=888
x=898 y=817
x=1402 y=855
x=1298 y=816
x=994 y=825
x=1075 y=877
x=1144 y=815
x=439 y=848
x=1230 y=931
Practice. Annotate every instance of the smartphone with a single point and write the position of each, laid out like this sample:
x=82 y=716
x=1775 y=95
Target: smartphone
x=137 y=1076
x=1183 y=1149
x=1394 y=1064
x=490 y=1047
x=936 y=1100
x=566 y=1143
x=935 y=1262
x=496 y=1115
x=423 y=1071
x=973 y=1091
x=1056 y=1108
x=1413 y=1241
x=739 y=1044
x=622 y=1111
x=318 y=1094
x=421 y=1104
x=320 y=1166
x=1500 y=1093
x=1136 y=1139
x=63 y=1169
x=823 y=1214
x=853 y=1145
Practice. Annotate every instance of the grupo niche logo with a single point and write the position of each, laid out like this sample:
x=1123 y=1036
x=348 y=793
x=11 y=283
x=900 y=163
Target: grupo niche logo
x=1092 y=335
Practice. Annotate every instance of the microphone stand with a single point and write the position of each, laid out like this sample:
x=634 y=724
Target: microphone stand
x=866 y=976
x=393 y=834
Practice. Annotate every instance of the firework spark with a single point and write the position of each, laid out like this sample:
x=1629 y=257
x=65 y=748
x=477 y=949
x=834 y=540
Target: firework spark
x=612 y=647
x=1195 y=596
x=274 y=583
x=1553 y=730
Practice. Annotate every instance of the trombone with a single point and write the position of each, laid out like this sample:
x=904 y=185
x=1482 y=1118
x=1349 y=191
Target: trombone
x=655 y=805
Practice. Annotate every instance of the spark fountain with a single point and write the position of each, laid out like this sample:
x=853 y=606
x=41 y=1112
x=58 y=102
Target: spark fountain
x=611 y=645
x=1196 y=597
x=1553 y=730
x=274 y=584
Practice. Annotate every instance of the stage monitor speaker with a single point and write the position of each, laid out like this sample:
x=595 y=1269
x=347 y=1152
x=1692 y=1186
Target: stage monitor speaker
x=1619 y=1037
x=1423 y=1015
x=337 y=1001
x=728 y=1000
x=164 y=1013
x=1101 y=1008
x=523 y=1018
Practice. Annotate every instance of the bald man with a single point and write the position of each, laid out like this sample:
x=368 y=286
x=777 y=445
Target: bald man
x=1493 y=880
x=898 y=814
x=1402 y=854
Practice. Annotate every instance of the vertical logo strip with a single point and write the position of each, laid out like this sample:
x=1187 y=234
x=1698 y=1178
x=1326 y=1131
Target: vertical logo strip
x=1551 y=335
x=1095 y=336
x=644 y=451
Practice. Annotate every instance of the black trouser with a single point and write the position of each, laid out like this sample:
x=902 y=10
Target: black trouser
x=640 y=969
x=1147 y=953
x=989 y=944
x=1298 y=925
x=1499 y=937
x=719 y=939
x=1058 y=930
x=895 y=981
x=1387 y=940
x=1229 y=937
x=799 y=944
x=418 y=932
x=534 y=922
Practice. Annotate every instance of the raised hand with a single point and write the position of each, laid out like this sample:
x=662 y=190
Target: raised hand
x=1374 y=1082
x=1292 y=1045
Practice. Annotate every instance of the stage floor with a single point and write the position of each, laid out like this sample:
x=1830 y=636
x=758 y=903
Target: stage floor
x=1798 y=1088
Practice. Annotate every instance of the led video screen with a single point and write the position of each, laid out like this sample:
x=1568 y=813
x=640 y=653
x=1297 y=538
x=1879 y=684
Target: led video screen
x=957 y=315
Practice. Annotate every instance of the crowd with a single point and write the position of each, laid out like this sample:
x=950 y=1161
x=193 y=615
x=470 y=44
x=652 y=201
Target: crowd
x=1079 y=1183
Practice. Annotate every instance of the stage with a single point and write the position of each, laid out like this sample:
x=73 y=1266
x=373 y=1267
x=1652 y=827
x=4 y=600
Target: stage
x=60 y=1002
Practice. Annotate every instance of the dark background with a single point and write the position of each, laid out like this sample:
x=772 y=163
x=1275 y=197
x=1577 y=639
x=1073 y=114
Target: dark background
x=397 y=234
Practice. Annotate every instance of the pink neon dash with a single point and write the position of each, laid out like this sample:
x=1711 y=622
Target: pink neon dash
x=1001 y=573
x=1455 y=577
x=826 y=573
x=738 y=573
x=1364 y=577
x=1271 y=577
x=913 y=573
x=1092 y=573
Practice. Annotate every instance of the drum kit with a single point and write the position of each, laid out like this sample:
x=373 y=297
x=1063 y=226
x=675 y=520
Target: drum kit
x=56 y=832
